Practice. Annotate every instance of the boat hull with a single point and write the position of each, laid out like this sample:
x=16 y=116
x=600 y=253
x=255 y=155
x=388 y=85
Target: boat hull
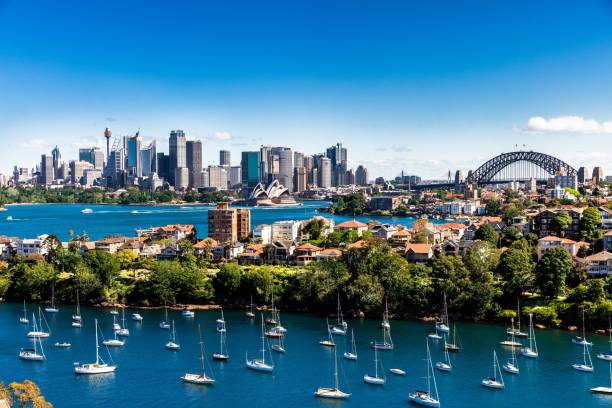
x=259 y=366
x=94 y=369
x=197 y=379
x=397 y=371
x=582 y=367
x=331 y=393
x=442 y=366
x=510 y=368
x=220 y=357
x=602 y=390
x=373 y=380
x=526 y=352
x=350 y=356
x=605 y=356
x=423 y=399
x=495 y=385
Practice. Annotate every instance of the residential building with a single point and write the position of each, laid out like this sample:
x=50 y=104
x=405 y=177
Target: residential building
x=352 y=225
x=543 y=220
x=306 y=253
x=607 y=241
x=565 y=181
x=550 y=242
x=599 y=263
x=383 y=231
x=419 y=253
x=31 y=246
x=193 y=151
x=385 y=203
x=286 y=230
x=262 y=234
x=110 y=244
x=227 y=224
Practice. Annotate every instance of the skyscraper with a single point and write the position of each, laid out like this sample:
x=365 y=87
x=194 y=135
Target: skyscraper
x=148 y=159
x=598 y=175
x=338 y=156
x=216 y=177
x=300 y=180
x=97 y=157
x=225 y=158
x=194 y=162
x=163 y=166
x=298 y=159
x=47 y=174
x=285 y=166
x=178 y=153
x=264 y=165
x=324 y=170
x=250 y=171
x=361 y=176
x=583 y=174
x=56 y=157
x=133 y=155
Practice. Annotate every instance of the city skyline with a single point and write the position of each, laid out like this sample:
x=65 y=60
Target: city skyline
x=400 y=96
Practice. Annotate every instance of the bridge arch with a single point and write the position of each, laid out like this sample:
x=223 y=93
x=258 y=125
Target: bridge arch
x=487 y=171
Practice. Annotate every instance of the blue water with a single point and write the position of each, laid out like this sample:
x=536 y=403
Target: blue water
x=148 y=375
x=32 y=220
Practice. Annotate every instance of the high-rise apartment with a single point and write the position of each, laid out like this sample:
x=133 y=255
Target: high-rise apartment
x=227 y=224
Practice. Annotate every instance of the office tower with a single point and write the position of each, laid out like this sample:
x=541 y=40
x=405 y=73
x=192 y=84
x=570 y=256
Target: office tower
x=284 y=174
x=300 y=179
x=225 y=158
x=315 y=178
x=250 y=172
x=361 y=176
x=598 y=175
x=177 y=153
x=148 y=159
x=97 y=158
x=46 y=170
x=194 y=162
x=163 y=166
x=181 y=178
x=350 y=177
x=583 y=174
x=324 y=170
x=338 y=156
x=264 y=165
x=235 y=176
x=133 y=155
x=85 y=154
x=77 y=170
x=227 y=224
x=57 y=158
x=298 y=159
x=63 y=172
x=115 y=168
x=309 y=165
x=216 y=177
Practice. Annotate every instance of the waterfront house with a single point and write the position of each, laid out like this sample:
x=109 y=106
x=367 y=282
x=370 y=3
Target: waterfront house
x=606 y=218
x=329 y=253
x=352 y=225
x=31 y=246
x=282 y=250
x=419 y=253
x=110 y=244
x=401 y=238
x=598 y=264
x=287 y=230
x=549 y=242
x=150 y=250
x=383 y=231
x=205 y=247
x=171 y=251
x=252 y=254
x=87 y=246
x=7 y=247
x=228 y=250
x=306 y=253
x=262 y=234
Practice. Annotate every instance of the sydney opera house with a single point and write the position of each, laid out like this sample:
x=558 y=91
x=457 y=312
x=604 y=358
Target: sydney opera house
x=274 y=195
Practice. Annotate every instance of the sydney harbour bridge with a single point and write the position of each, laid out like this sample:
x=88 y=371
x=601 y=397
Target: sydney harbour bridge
x=512 y=166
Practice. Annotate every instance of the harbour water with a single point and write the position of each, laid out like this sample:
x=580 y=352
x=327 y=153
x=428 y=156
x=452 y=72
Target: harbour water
x=31 y=220
x=149 y=376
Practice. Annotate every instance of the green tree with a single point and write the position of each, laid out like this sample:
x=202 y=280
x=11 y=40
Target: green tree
x=104 y=265
x=552 y=270
x=487 y=233
x=590 y=223
x=227 y=281
x=561 y=222
x=516 y=268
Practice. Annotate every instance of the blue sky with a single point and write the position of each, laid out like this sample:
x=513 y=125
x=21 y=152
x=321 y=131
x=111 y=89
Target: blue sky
x=424 y=86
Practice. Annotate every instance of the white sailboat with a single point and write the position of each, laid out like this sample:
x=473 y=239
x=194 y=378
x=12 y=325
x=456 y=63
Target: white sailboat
x=495 y=382
x=172 y=344
x=454 y=346
x=512 y=342
x=351 y=355
x=223 y=354
x=517 y=331
x=221 y=323
x=24 y=319
x=137 y=317
x=33 y=354
x=387 y=341
x=76 y=318
x=511 y=365
x=165 y=325
x=376 y=380
x=123 y=331
x=581 y=341
x=99 y=367
x=279 y=345
x=604 y=390
x=607 y=356
x=385 y=323
x=116 y=325
x=340 y=327
x=114 y=342
x=37 y=331
x=249 y=312
x=330 y=340
x=202 y=378
x=587 y=364
x=187 y=313
x=430 y=397
x=271 y=320
x=435 y=335
x=260 y=365
x=443 y=326
x=332 y=393
x=52 y=308
x=532 y=350
x=446 y=364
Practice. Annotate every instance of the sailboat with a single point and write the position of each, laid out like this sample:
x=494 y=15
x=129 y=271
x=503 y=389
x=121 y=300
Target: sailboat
x=114 y=342
x=587 y=363
x=249 y=312
x=454 y=346
x=271 y=320
x=330 y=341
x=260 y=365
x=376 y=380
x=341 y=326
x=443 y=325
x=607 y=356
x=76 y=318
x=604 y=390
x=494 y=382
x=332 y=393
x=165 y=325
x=387 y=342
x=512 y=342
x=137 y=317
x=99 y=367
x=532 y=350
x=221 y=323
x=37 y=331
x=172 y=344
x=517 y=332
x=52 y=308
x=116 y=325
x=24 y=319
x=511 y=366
x=582 y=340
x=199 y=379
x=435 y=335
x=123 y=331
x=187 y=313
x=223 y=354
x=427 y=398
x=351 y=355
x=279 y=346
x=33 y=354
x=446 y=364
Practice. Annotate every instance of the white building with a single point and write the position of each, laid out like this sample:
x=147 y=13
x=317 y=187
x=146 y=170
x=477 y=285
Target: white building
x=216 y=177
x=262 y=234
x=31 y=246
x=286 y=230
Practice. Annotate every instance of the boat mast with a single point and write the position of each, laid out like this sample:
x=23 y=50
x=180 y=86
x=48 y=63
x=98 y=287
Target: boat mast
x=201 y=350
x=263 y=347
x=97 y=345
x=518 y=313
x=336 y=370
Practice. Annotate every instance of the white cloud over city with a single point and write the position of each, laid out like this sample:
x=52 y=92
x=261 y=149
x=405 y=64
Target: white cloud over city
x=566 y=124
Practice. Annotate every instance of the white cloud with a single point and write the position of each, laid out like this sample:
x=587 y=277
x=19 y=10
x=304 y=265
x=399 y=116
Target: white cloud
x=566 y=124
x=35 y=143
x=223 y=136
